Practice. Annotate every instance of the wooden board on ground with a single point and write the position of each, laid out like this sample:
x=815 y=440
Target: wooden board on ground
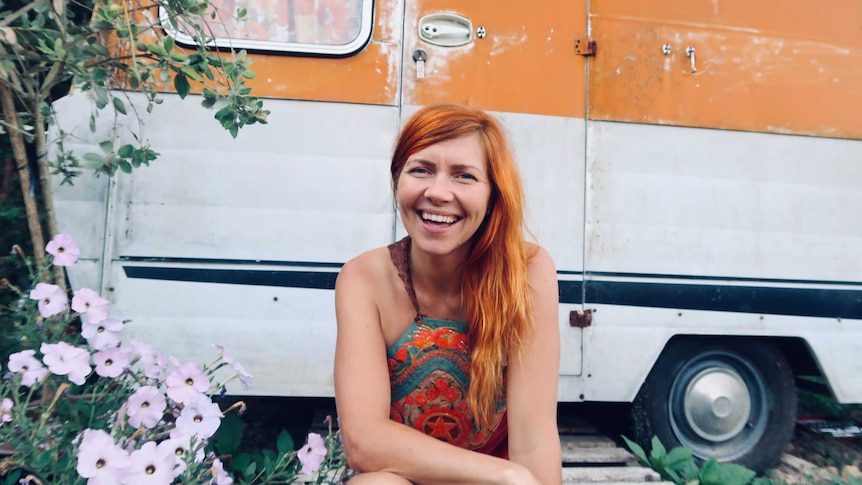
x=597 y=459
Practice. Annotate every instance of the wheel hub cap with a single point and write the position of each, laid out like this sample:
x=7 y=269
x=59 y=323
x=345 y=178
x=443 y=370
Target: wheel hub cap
x=717 y=404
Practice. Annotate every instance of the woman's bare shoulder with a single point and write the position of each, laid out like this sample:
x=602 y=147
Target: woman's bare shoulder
x=540 y=260
x=369 y=268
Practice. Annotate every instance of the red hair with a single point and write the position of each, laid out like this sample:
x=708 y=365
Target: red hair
x=494 y=285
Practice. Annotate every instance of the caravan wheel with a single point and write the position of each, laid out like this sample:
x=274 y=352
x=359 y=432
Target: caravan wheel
x=729 y=400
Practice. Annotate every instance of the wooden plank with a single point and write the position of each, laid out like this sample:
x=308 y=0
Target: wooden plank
x=597 y=455
x=586 y=441
x=603 y=474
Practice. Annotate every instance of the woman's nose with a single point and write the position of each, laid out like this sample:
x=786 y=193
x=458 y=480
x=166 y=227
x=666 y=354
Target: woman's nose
x=439 y=190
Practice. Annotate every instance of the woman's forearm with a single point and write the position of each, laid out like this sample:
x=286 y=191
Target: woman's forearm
x=398 y=449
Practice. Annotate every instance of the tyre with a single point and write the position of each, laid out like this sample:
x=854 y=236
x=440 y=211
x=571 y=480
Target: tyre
x=733 y=400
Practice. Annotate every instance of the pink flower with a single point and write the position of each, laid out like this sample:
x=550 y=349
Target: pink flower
x=154 y=364
x=145 y=407
x=200 y=417
x=312 y=454
x=52 y=299
x=244 y=377
x=179 y=446
x=220 y=477
x=100 y=459
x=151 y=465
x=104 y=334
x=64 y=249
x=186 y=382
x=90 y=305
x=112 y=362
x=29 y=366
x=6 y=410
x=63 y=359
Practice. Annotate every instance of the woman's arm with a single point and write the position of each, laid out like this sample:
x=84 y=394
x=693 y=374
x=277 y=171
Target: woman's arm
x=534 y=439
x=372 y=441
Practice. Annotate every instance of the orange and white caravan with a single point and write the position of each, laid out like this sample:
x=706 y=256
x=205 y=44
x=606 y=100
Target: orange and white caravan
x=694 y=168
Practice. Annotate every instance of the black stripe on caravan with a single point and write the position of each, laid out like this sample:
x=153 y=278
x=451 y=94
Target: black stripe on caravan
x=812 y=302
x=293 y=279
x=809 y=302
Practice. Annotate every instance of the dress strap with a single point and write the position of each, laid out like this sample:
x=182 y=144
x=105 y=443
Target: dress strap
x=400 y=254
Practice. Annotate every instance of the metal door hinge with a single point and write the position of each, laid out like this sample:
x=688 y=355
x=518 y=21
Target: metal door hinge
x=585 y=47
x=580 y=319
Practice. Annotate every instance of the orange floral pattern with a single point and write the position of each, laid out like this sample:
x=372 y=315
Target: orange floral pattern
x=429 y=373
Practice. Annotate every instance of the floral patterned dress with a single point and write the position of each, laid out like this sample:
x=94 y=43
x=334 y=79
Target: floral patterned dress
x=429 y=374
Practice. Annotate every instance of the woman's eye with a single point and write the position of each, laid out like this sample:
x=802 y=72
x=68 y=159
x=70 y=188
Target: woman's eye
x=419 y=171
x=466 y=176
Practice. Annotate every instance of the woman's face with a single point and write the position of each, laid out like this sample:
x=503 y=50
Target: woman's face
x=443 y=192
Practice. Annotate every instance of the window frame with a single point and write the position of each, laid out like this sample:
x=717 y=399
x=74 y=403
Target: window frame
x=296 y=48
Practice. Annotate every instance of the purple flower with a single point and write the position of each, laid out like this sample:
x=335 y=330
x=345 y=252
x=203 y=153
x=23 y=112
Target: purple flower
x=186 y=382
x=28 y=366
x=151 y=465
x=312 y=454
x=64 y=249
x=112 y=362
x=63 y=359
x=100 y=459
x=154 y=364
x=104 y=334
x=90 y=305
x=244 y=376
x=6 y=410
x=178 y=446
x=52 y=299
x=220 y=477
x=200 y=417
x=146 y=407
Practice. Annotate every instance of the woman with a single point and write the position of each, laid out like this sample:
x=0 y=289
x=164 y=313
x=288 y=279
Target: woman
x=447 y=355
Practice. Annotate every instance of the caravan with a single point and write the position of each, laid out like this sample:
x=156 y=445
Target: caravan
x=694 y=169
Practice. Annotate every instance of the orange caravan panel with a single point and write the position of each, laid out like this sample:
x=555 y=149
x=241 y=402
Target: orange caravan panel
x=369 y=76
x=784 y=67
x=525 y=63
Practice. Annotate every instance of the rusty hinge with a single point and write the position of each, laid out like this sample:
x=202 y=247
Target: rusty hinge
x=585 y=47
x=580 y=319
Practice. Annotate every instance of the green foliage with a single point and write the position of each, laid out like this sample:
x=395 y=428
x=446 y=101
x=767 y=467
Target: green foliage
x=100 y=48
x=679 y=466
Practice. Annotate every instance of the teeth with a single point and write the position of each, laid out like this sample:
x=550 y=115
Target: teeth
x=438 y=218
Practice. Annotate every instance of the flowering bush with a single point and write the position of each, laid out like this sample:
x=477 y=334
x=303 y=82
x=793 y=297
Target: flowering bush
x=79 y=405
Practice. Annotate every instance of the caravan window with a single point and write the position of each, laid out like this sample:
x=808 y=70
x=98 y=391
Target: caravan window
x=315 y=27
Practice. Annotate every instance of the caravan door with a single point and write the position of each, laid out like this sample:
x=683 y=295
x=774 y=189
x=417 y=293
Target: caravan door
x=517 y=62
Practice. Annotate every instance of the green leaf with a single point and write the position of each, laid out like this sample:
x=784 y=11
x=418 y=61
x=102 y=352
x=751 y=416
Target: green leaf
x=181 y=84
x=637 y=450
x=157 y=50
x=107 y=146
x=99 y=74
x=284 y=443
x=169 y=44
x=678 y=457
x=229 y=435
x=715 y=473
x=125 y=166
x=192 y=73
x=119 y=105
x=101 y=96
x=658 y=451
x=126 y=150
x=241 y=461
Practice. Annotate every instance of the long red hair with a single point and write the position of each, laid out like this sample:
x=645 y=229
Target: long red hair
x=494 y=285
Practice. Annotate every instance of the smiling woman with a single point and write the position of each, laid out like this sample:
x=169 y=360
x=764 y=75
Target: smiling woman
x=454 y=327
